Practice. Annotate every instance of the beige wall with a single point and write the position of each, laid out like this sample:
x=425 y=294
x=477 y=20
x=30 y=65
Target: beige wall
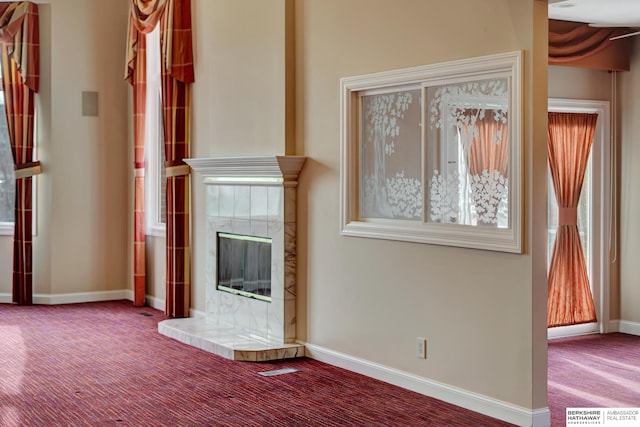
x=239 y=105
x=370 y=298
x=364 y=297
x=82 y=218
x=579 y=83
x=629 y=195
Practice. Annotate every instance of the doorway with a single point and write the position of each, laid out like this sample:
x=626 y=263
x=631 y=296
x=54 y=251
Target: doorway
x=593 y=214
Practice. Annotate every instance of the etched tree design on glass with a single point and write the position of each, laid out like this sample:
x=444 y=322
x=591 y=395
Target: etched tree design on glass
x=391 y=185
x=469 y=143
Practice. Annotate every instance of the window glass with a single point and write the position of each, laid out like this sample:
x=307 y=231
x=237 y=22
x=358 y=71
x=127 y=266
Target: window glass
x=391 y=150
x=7 y=180
x=156 y=211
x=469 y=146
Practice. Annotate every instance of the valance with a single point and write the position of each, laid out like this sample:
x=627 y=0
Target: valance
x=19 y=31
x=579 y=45
x=177 y=50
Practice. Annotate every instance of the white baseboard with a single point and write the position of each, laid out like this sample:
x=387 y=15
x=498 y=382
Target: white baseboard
x=73 y=298
x=79 y=297
x=158 y=304
x=154 y=302
x=627 y=327
x=459 y=397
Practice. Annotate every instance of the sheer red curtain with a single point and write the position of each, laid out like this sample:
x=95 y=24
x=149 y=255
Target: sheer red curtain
x=19 y=37
x=569 y=301
x=174 y=17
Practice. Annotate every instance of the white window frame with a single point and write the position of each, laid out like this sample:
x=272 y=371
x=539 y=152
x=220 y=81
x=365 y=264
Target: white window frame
x=153 y=140
x=489 y=238
x=600 y=214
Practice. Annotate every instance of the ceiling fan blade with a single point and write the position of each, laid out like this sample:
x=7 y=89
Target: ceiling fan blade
x=635 y=33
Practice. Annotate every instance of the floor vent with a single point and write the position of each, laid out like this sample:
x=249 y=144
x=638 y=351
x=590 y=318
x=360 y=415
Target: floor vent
x=144 y=313
x=278 y=372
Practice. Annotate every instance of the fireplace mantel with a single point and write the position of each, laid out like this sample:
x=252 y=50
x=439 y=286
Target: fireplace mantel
x=247 y=170
x=252 y=197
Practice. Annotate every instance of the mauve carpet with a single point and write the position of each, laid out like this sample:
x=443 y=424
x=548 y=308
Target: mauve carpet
x=593 y=371
x=104 y=364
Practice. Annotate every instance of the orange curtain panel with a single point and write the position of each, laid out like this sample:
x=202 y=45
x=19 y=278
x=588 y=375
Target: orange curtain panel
x=174 y=17
x=569 y=300
x=19 y=36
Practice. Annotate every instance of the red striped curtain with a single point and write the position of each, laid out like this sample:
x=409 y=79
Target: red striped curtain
x=177 y=75
x=143 y=19
x=138 y=79
x=569 y=300
x=19 y=37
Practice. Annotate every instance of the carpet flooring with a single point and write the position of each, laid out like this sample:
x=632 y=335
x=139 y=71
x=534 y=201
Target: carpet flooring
x=593 y=371
x=104 y=364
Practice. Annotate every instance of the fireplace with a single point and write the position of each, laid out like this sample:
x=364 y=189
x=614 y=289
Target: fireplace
x=250 y=260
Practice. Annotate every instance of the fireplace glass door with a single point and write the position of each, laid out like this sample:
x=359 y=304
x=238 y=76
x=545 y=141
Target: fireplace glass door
x=244 y=265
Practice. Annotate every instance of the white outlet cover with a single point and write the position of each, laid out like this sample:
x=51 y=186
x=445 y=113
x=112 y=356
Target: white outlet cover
x=421 y=348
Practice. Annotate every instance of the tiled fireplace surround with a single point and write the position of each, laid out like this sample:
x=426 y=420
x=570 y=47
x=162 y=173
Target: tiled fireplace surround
x=254 y=196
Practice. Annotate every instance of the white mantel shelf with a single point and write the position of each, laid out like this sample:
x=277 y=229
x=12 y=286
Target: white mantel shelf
x=248 y=169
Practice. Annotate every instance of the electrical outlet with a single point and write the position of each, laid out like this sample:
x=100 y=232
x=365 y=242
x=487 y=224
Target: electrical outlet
x=421 y=348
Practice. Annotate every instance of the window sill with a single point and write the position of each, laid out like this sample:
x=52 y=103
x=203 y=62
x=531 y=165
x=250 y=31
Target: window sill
x=157 y=230
x=6 y=229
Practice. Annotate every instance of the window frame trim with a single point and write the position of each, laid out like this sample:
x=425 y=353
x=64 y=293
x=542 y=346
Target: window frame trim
x=508 y=65
x=153 y=144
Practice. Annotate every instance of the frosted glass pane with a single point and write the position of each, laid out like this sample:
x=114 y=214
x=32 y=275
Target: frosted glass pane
x=391 y=151
x=468 y=153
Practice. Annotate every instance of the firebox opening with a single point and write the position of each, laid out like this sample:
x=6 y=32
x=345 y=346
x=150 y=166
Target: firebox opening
x=244 y=265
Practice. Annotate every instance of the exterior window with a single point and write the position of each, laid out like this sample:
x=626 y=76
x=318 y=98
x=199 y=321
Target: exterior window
x=156 y=211
x=7 y=180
